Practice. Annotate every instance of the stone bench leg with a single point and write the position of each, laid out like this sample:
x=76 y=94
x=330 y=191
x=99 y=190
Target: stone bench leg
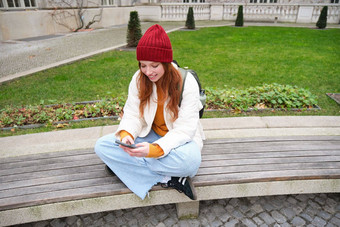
x=187 y=210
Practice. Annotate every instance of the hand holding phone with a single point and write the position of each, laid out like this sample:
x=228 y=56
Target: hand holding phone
x=125 y=144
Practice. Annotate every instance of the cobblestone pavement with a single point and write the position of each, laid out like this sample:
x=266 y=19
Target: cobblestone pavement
x=287 y=210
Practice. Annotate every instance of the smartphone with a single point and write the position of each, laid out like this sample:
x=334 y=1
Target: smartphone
x=125 y=144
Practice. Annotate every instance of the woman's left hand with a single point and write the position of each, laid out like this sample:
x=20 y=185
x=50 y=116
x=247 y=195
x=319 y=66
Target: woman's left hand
x=142 y=150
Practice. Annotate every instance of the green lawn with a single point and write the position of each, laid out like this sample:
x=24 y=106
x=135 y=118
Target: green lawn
x=239 y=57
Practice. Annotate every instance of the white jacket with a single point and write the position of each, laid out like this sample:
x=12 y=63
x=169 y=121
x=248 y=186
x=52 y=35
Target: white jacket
x=185 y=128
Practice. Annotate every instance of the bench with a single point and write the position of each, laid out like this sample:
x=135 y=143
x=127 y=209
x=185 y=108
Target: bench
x=60 y=184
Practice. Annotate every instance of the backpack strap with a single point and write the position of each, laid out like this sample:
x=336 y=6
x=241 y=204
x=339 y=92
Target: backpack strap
x=184 y=76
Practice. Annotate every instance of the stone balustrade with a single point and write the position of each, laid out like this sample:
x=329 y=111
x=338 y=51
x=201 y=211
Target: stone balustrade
x=300 y=13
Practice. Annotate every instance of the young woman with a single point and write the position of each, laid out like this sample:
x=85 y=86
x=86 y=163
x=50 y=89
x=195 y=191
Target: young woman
x=168 y=138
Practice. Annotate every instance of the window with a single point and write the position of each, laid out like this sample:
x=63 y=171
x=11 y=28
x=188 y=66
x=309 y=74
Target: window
x=263 y=1
x=193 y=1
x=334 y=1
x=18 y=4
x=108 y=2
x=30 y=3
x=13 y=3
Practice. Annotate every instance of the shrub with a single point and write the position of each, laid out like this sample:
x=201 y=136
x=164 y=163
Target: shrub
x=322 y=21
x=261 y=97
x=134 y=32
x=190 y=22
x=239 y=18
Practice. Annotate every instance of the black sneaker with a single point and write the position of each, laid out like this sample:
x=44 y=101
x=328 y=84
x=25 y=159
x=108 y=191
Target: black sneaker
x=109 y=171
x=182 y=184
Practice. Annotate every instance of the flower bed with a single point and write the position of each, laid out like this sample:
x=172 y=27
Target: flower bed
x=60 y=113
x=267 y=96
x=272 y=96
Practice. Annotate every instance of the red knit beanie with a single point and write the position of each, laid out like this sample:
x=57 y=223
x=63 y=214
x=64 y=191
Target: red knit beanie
x=154 y=45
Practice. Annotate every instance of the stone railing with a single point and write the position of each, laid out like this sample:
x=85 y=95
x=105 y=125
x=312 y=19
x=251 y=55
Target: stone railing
x=300 y=13
x=282 y=12
x=178 y=12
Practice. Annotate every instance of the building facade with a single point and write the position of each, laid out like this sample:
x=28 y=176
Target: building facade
x=28 y=18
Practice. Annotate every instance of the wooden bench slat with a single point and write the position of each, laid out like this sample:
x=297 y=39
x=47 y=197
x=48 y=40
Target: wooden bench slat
x=45 y=156
x=217 y=149
x=94 y=161
x=248 y=177
x=207 y=157
x=63 y=195
x=48 y=161
x=49 y=173
x=57 y=186
x=69 y=176
x=263 y=161
x=272 y=138
x=264 y=168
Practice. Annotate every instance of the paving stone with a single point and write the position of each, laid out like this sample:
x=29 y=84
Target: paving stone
x=319 y=222
x=258 y=221
x=330 y=225
x=217 y=209
x=109 y=217
x=288 y=212
x=267 y=218
x=286 y=224
x=335 y=221
x=314 y=204
x=225 y=217
x=297 y=221
x=268 y=207
x=249 y=223
x=306 y=217
x=169 y=221
x=40 y=224
x=264 y=225
x=231 y=223
x=58 y=223
x=250 y=214
x=234 y=202
x=244 y=208
x=278 y=217
x=302 y=197
x=257 y=208
x=161 y=225
x=324 y=215
x=237 y=214
x=320 y=199
x=215 y=223
x=292 y=200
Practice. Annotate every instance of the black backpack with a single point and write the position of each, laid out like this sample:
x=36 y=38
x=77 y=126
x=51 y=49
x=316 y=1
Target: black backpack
x=202 y=94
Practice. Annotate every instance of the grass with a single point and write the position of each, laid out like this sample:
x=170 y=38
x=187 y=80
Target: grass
x=236 y=57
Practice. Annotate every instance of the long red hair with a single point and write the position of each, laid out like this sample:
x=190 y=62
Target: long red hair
x=170 y=85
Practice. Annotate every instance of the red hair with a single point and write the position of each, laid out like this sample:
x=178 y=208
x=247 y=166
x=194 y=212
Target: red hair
x=170 y=85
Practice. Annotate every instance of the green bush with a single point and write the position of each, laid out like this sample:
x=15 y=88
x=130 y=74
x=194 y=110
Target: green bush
x=190 y=22
x=27 y=115
x=322 y=21
x=134 y=32
x=261 y=97
x=239 y=18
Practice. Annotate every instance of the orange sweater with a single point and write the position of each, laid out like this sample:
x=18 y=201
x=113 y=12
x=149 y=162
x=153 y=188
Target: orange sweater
x=158 y=126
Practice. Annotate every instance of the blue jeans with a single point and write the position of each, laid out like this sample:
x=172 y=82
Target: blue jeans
x=140 y=174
